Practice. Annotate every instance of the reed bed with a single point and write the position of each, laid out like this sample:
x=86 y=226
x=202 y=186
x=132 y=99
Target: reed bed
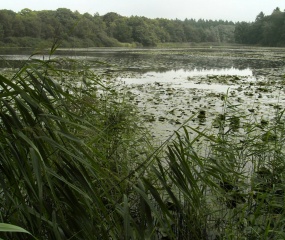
x=77 y=163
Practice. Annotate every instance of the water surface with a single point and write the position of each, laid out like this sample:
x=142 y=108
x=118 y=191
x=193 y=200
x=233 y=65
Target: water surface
x=186 y=78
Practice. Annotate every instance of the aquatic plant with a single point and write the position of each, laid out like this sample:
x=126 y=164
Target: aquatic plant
x=217 y=185
x=75 y=163
x=67 y=141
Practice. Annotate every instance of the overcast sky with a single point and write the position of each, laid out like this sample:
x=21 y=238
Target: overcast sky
x=234 y=10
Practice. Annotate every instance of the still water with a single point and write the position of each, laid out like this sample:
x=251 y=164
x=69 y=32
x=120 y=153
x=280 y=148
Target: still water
x=173 y=76
x=188 y=78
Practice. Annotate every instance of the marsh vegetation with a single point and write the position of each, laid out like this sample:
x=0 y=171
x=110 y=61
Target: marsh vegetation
x=89 y=150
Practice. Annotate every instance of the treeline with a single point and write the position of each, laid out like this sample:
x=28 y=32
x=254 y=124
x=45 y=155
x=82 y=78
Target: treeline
x=29 y=28
x=265 y=30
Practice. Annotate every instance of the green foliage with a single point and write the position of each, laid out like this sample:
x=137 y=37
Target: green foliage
x=75 y=164
x=66 y=145
x=110 y=29
x=224 y=185
x=4 y=227
x=266 y=30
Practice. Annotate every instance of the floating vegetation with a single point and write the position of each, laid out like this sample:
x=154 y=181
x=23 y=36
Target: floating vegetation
x=76 y=145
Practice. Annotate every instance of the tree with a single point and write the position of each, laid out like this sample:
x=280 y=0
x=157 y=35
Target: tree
x=1 y=32
x=122 y=31
x=242 y=32
x=112 y=28
x=67 y=20
x=19 y=26
x=142 y=31
x=32 y=23
x=259 y=17
x=50 y=25
x=276 y=10
x=6 y=19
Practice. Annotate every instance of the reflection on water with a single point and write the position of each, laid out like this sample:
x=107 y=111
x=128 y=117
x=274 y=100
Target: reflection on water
x=183 y=76
x=223 y=71
x=215 y=87
x=186 y=78
x=27 y=57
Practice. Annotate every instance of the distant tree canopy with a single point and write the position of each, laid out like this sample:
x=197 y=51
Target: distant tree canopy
x=265 y=30
x=29 y=28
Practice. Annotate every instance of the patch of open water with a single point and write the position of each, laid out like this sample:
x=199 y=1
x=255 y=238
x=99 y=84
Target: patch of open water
x=184 y=78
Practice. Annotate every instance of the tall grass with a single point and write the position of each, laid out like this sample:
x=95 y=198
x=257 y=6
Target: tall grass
x=75 y=163
x=223 y=184
x=66 y=142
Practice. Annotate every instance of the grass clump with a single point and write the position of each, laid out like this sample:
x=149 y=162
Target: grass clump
x=227 y=184
x=67 y=141
x=75 y=164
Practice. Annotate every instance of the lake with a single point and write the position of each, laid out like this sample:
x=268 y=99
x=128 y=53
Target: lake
x=171 y=85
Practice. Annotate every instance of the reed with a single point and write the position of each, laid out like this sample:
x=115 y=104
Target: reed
x=223 y=184
x=76 y=163
x=67 y=140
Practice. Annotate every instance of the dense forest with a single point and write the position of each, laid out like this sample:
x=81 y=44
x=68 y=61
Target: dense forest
x=266 y=30
x=29 y=28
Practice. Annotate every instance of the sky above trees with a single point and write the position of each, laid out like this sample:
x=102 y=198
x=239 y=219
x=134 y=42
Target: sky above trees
x=232 y=10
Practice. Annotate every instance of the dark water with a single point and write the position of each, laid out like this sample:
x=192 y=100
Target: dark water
x=192 y=60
